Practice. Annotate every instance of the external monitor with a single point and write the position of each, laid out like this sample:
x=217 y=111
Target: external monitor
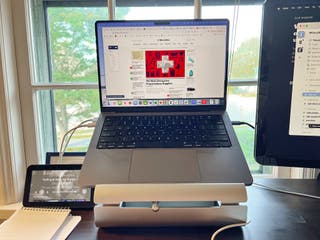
x=288 y=109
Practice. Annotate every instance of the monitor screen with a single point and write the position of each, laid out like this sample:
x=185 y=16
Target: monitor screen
x=174 y=63
x=288 y=110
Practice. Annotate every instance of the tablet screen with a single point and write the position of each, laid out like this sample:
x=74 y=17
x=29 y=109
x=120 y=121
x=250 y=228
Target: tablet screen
x=56 y=185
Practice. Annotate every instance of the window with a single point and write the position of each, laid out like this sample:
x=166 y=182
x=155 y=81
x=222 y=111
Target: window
x=138 y=13
x=245 y=29
x=71 y=73
x=72 y=59
x=65 y=59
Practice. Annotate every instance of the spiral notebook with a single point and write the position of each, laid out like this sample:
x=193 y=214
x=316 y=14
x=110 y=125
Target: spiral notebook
x=39 y=223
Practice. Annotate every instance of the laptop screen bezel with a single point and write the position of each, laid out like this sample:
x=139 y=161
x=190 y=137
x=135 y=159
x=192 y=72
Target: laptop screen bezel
x=197 y=108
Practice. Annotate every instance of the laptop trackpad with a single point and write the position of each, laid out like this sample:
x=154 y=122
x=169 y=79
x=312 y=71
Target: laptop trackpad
x=164 y=165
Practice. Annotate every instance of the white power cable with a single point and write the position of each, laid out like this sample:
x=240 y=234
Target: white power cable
x=63 y=146
x=227 y=227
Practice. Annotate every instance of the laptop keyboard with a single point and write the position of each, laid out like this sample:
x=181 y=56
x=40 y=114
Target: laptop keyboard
x=163 y=131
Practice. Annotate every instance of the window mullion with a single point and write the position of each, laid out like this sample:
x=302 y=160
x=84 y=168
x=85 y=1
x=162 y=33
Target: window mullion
x=244 y=83
x=111 y=9
x=54 y=86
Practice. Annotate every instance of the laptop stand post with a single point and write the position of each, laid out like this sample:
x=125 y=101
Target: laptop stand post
x=181 y=204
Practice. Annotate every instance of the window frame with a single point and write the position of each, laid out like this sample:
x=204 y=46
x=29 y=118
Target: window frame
x=49 y=85
x=126 y=3
x=30 y=121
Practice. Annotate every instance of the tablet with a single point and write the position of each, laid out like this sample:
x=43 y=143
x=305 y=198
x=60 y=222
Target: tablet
x=56 y=186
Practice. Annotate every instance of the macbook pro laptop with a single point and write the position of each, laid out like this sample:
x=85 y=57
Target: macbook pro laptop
x=163 y=105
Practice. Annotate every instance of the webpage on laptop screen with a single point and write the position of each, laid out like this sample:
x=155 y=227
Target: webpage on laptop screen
x=162 y=65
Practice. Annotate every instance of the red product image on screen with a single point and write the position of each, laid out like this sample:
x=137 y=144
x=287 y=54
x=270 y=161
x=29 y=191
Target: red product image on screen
x=165 y=63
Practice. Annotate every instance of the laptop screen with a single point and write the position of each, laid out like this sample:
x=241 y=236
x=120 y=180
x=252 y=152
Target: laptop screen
x=176 y=63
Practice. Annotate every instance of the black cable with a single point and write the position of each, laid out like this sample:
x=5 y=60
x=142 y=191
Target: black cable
x=242 y=123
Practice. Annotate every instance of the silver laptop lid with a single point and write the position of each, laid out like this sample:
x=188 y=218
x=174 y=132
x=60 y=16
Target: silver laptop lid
x=166 y=65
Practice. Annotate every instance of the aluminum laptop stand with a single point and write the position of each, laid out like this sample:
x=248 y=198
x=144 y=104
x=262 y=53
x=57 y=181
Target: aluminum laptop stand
x=149 y=205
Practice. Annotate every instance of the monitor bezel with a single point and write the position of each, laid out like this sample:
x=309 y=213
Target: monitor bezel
x=262 y=142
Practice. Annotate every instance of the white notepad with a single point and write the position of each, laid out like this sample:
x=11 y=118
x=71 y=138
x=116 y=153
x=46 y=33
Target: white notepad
x=39 y=223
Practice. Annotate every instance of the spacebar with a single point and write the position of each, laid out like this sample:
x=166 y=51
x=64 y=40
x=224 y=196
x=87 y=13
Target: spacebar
x=155 y=145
